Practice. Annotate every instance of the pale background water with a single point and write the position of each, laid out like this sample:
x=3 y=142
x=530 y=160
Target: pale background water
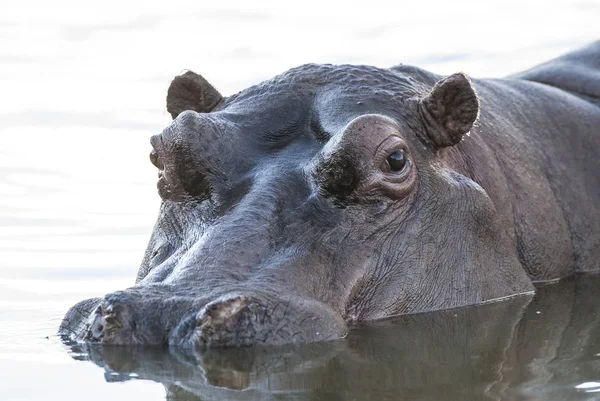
x=82 y=88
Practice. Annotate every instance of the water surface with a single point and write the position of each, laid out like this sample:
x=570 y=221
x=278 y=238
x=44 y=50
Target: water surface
x=82 y=88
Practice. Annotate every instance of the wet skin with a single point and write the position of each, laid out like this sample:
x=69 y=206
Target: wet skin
x=331 y=195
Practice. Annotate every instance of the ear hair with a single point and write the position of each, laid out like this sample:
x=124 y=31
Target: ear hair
x=191 y=91
x=449 y=110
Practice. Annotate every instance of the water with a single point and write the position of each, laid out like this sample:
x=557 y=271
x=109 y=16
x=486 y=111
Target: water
x=82 y=88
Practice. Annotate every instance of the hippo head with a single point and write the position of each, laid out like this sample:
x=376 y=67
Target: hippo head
x=324 y=197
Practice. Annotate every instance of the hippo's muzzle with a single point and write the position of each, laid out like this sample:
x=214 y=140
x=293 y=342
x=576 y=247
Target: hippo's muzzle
x=231 y=320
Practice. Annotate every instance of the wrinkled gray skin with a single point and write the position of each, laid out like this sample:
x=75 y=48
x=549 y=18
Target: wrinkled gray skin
x=284 y=219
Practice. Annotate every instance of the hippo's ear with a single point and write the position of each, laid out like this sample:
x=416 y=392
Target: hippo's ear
x=190 y=91
x=449 y=110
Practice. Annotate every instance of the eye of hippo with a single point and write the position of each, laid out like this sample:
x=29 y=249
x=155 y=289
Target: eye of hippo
x=369 y=158
x=396 y=161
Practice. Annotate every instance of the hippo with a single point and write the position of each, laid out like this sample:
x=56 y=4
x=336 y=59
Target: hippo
x=334 y=195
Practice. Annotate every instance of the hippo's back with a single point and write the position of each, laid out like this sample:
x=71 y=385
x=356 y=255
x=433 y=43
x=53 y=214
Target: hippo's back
x=577 y=72
x=545 y=125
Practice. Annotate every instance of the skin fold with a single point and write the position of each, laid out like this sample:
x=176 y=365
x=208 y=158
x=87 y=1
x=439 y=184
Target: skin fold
x=335 y=194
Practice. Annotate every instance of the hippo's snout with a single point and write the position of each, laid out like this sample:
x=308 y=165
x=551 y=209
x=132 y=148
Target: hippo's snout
x=233 y=320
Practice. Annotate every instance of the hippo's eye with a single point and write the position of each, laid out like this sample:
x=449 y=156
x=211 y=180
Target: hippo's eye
x=397 y=161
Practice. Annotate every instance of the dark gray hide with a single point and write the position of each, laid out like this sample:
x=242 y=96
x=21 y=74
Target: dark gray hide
x=331 y=195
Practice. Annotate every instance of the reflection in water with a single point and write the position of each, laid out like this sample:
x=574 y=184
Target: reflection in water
x=545 y=348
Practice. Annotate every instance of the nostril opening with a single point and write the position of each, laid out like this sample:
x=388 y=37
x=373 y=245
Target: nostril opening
x=240 y=320
x=220 y=312
x=97 y=329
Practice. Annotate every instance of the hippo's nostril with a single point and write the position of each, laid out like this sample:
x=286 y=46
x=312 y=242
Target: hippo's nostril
x=227 y=322
x=106 y=323
x=240 y=321
x=221 y=312
x=96 y=329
